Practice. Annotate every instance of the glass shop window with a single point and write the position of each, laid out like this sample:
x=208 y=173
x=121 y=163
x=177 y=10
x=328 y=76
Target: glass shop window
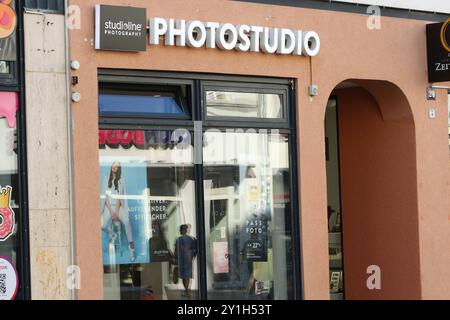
x=248 y=216
x=150 y=210
x=148 y=215
x=244 y=104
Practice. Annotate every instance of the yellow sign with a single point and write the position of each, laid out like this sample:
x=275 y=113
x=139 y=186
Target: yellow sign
x=444 y=28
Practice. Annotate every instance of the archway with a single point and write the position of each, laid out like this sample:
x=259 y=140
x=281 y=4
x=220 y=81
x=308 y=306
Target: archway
x=372 y=186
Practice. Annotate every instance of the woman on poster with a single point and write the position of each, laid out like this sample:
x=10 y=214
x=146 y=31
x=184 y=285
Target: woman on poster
x=114 y=207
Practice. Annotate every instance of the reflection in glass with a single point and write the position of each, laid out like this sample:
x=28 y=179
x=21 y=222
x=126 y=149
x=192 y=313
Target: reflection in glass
x=141 y=103
x=248 y=210
x=148 y=216
x=244 y=104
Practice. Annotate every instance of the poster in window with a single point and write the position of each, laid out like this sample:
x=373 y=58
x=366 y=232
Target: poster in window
x=123 y=201
x=158 y=243
x=8 y=24
x=256 y=244
x=221 y=257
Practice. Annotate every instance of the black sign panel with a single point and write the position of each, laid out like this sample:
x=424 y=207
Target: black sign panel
x=438 y=46
x=120 y=28
x=256 y=245
x=8 y=24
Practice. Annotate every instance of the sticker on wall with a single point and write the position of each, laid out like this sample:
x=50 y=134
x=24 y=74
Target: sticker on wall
x=9 y=104
x=8 y=23
x=7 y=219
x=9 y=281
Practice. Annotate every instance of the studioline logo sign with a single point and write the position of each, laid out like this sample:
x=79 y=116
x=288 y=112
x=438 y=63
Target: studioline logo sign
x=122 y=28
x=438 y=47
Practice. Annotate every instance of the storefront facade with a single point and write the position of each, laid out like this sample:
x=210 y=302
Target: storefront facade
x=234 y=148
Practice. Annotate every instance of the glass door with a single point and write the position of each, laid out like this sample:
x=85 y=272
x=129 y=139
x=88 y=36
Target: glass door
x=247 y=216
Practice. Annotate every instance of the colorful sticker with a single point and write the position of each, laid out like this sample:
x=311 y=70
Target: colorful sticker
x=7 y=217
x=9 y=104
x=8 y=19
x=9 y=281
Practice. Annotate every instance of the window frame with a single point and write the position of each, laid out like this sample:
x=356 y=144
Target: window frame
x=122 y=117
x=223 y=86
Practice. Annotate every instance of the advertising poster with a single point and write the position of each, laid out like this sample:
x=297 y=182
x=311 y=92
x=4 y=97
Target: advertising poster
x=8 y=23
x=9 y=281
x=123 y=201
x=159 y=246
x=256 y=233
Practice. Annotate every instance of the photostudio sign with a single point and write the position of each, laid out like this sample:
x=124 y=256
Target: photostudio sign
x=226 y=36
x=124 y=29
x=120 y=28
x=438 y=47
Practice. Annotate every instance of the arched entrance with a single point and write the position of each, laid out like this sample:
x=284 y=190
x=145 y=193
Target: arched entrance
x=372 y=192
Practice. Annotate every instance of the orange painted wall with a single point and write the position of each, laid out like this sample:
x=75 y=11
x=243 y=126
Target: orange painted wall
x=396 y=53
x=379 y=198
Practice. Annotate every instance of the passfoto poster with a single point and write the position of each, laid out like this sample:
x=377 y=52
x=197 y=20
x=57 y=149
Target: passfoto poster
x=158 y=243
x=123 y=201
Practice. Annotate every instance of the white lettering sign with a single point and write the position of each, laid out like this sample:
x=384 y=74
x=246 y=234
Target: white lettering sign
x=226 y=36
